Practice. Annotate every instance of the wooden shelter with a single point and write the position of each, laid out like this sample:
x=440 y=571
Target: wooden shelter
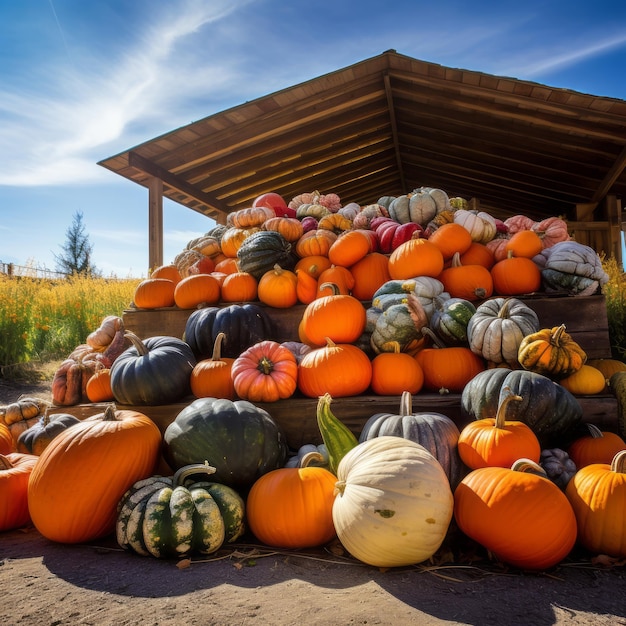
x=390 y=124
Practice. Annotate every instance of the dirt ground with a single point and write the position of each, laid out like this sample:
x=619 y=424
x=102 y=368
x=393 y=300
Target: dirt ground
x=45 y=583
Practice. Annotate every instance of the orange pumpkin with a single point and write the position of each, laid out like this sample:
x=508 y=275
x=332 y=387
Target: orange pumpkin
x=306 y=287
x=292 y=507
x=478 y=254
x=266 y=372
x=395 y=372
x=197 y=289
x=227 y=265
x=239 y=287
x=289 y=227
x=350 y=247
x=233 y=238
x=315 y=243
x=496 y=441
x=469 y=282
x=98 y=388
x=336 y=276
x=518 y=514
x=154 y=293
x=416 y=257
x=6 y=440
x=596 y=447
x=250 y=216
x=597 y=493
x=516 y=276
x=524 y=243
x=338 y=317
x=451 y=238
x=169 y=271
x=278 y=288
x=313 y=265
x=369 y=274
x=15 y=470
x=212 y=378
x=340 y=369
x=68 y=501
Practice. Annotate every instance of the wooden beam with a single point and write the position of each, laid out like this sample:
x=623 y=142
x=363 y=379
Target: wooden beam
x=155 y=223
x=175 y=182
x=394 y=128
x=611 y=176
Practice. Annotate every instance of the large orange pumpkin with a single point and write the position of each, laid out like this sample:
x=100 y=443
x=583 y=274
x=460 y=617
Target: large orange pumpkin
x=278 y=288
x=416 y=257
x=370 y=273
x=80 y=477
x=197 y=289
x=15 y=469
x=596 y=447
x=6 y=440
x=154 y=293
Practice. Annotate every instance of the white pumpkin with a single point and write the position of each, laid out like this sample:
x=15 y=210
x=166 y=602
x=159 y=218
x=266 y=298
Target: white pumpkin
x=393 y=503
x=481 y=226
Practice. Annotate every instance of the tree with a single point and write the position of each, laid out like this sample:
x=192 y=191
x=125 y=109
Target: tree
x=77 y=249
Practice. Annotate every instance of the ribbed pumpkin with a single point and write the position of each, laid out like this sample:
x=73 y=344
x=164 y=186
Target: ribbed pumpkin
x=597 y=494
x=292 y=507
x=497 y=329
x=416 y=257
x=338 y=317
x=15 y=470
x=315 y=242
x=265 y=372
x=6 y=440
x=68 y=501
x=22 y=414
x=338 y=369
x=239 y=439
x=435 y=431
x=37 y=438
x=153 y=371
x=451 y=239
x=515 y=275
x=239 y=287
x=518 y=514
x=154 y=293
x=497 y=441
x=369 y=273
x=196 y=289
x=395 y=372
x=175 y=516
x=394 y=503
x=450 y=319
x=98 y=388
x=278 y=288
x=242 y=324
x=470 y=282
x=551 y=352
x=260 y=252
x=211 y=378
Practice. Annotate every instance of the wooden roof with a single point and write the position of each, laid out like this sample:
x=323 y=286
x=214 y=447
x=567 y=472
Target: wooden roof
x=387 y=125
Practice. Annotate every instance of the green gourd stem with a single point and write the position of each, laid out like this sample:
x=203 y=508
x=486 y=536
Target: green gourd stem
x=337 y=437
x=311 y=457
x=528 y=466
x=190 y=470
x=139 y=345
x=500 y=419
x=265 y=366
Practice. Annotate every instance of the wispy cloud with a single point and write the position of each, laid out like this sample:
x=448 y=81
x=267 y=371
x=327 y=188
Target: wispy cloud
x=56 y=135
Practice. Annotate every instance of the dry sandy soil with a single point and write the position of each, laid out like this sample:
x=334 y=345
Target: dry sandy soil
x=44 y=583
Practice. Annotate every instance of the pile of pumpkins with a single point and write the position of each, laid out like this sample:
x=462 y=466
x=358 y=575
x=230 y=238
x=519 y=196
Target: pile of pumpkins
x=403 y=295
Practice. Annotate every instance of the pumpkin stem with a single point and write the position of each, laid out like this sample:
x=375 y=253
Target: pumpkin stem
x=437 y=343
x=217 y=347
x=265 y=366
x=109 y=414
x=312 y=457
x=139 y=345
x=594 y=431
x=618 y=464
x=406 y=404
x=189 y=470
x=5 y=464
x=340 y=487
x=332 y=286
x=500 y=419
x=529 y=466
x=557 y=334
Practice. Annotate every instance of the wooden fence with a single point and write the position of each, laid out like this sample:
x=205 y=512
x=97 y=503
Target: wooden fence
x=17 y=271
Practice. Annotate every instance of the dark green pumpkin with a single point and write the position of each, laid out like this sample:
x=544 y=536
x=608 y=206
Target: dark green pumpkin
x=239 y=439
x=154 y=371
x=550 y=410
x=35 y=439
x=450 y=319
x=243 y=325
x=261 y=251
x=435 y=431
x=175 y=516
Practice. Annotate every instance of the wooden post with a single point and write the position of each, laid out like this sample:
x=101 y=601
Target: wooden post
x=155 y=223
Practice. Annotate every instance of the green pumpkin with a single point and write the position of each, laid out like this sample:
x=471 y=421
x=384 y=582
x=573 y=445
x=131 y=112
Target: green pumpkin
x=154 y=371
x=450 y=319
x=239 y=439
x=172 y=517
x=261 y=251
x=424 y=288
x=435 y=431
x=550 y=410
x=395 y=324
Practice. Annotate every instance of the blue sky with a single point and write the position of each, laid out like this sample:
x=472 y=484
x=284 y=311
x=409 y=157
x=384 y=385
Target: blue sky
x=81 y=81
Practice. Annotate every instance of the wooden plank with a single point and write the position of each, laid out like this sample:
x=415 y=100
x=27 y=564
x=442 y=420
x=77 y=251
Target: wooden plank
x=584 y=316
x=297 y=415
